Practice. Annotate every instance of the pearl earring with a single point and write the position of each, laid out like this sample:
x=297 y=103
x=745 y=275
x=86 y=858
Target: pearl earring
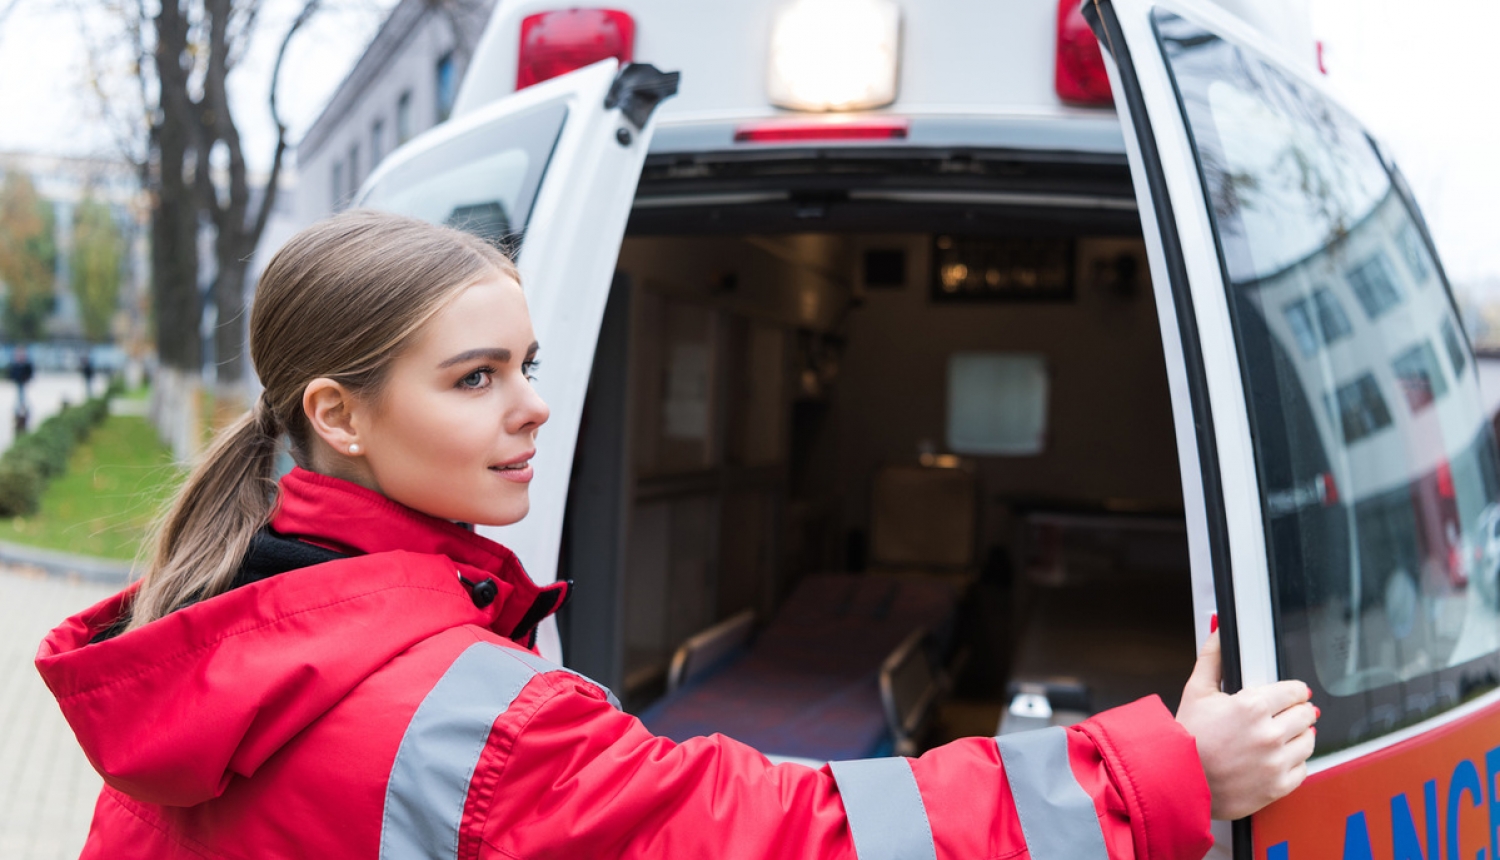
x=354 y=448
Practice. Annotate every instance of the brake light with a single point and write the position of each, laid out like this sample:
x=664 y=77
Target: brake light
x=1445 y=481
x=1080 y=77
x=790 y=132
x=555 y=43
x=1328 y=488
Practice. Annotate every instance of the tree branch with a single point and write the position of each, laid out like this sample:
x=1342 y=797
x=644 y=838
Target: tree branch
x=268 y=199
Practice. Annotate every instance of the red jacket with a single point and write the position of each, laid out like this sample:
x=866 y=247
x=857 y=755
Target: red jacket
x=365 y=707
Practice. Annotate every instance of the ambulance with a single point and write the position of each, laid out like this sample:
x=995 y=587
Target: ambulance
x=1122 y=271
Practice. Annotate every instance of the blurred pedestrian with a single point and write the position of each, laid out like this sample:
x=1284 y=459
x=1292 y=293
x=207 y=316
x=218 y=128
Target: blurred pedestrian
x=86 y=368
x=21 y=371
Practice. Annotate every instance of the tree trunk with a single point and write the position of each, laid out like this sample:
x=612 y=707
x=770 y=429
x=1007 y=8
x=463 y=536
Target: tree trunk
x=174 y=245
x=174 y=219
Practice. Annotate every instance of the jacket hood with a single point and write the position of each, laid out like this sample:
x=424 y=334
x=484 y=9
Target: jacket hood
x=169 y=712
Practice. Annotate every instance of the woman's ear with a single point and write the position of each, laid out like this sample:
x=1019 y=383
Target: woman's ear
x=330 y=409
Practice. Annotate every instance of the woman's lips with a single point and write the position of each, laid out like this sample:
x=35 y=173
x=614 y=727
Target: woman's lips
x=516 y=470
x=519 y=475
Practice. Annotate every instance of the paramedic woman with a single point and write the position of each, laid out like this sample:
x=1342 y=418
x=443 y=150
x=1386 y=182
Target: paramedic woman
x=333 y=666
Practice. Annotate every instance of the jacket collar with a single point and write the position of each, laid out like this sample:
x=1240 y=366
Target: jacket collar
x=347 y=518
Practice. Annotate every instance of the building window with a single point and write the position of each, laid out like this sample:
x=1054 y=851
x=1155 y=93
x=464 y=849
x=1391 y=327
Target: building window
x=1362 y=410
x=1331 y=317
x=403 y=118
x=377 y=142
x=1456 y=352
x=1421 y=380
x=447 y=86
x=353 y=169
x=1414 y=250
x=1374 y=285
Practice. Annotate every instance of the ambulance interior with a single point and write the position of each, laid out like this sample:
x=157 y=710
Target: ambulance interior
x=819 y=382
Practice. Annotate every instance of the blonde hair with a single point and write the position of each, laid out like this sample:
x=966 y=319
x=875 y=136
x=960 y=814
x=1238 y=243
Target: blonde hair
x=340 y=300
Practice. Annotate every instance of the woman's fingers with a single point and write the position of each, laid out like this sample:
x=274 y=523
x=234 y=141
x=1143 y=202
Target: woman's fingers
x=1300 y=748
x=1296 y=720
x=1282 y=695
x=1253 y=745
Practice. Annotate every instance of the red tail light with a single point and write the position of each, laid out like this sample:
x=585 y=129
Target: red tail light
x=1080 y=75
x=1329 y=488
x=1445 y=481
x=789 y=132
x=555 y=43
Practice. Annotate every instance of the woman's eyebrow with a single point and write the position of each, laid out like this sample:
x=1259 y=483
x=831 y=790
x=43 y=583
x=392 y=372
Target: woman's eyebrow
x=499 y=356
x=495 y=354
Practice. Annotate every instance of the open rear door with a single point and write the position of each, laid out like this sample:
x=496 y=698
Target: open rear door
x=550 y=173
x=1213 y=437
x=1339 y=467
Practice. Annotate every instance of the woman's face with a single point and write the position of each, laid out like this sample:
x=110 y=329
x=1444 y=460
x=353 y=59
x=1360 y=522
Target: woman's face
x=453 y=431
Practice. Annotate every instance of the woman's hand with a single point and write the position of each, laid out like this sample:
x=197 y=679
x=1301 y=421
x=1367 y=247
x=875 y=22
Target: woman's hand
x=1253 y=745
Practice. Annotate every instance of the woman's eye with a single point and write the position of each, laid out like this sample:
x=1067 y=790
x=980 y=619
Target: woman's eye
x=477 y=379
x=530 y=368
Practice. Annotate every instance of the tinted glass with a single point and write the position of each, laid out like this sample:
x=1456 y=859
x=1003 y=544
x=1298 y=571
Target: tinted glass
x=1376 y=462
x=483 y=181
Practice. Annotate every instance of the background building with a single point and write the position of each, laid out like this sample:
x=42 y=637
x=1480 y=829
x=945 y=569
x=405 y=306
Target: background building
x=404 y=84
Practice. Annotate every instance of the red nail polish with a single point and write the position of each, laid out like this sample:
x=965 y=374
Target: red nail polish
x=1317 y=712
x=1213 y=623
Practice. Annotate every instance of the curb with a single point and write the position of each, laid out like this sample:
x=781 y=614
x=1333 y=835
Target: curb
x=62 y=564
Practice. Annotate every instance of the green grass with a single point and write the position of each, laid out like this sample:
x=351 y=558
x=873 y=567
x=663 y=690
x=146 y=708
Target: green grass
x=118 y=480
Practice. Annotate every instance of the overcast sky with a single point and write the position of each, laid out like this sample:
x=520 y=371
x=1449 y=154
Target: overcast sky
x=1421 y=80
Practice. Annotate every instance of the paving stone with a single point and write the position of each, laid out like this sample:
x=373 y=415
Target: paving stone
x=47 y=787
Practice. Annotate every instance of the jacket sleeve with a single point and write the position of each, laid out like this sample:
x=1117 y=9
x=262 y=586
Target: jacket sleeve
x=565 y=774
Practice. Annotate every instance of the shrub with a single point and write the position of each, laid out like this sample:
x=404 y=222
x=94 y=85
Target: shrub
x=21 y=486
x=37 y=457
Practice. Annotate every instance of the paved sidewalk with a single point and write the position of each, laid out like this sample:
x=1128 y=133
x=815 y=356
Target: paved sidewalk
x=47 y=788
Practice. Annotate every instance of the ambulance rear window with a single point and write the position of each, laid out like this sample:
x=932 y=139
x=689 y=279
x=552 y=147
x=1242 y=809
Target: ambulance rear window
x=1376 y=461
x=482 y=181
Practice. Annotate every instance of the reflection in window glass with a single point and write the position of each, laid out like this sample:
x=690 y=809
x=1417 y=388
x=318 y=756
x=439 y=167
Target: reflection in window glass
x=483 y=181
x=1299 y=317
x=1374 y=286
x=1376 y=519
x=1362 y=410
x=1316 y=321
x=1414 y=253
x=1331 y=317
x=1455 y=346
x=1417 y=371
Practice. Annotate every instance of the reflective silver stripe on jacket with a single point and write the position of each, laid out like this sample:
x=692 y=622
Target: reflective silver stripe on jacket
x=884 y=808
x=1057 y=816
x=424 y=798
x=542 y=665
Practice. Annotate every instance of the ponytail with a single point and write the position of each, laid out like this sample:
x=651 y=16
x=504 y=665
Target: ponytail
x=227 y=498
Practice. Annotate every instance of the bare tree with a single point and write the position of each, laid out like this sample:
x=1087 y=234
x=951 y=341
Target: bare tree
x=176 y=122
x=238 y=228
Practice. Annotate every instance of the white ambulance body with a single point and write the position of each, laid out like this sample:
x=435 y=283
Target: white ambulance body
x=1191 y=352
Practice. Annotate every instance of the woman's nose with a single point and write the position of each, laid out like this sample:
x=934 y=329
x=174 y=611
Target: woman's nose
x=532 y=411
